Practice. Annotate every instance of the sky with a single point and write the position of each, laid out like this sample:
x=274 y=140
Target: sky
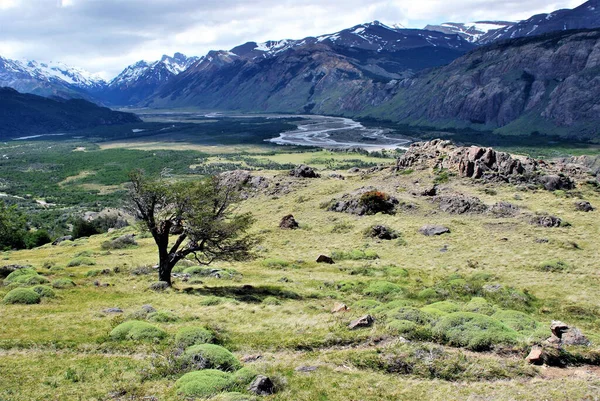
x=104 y=36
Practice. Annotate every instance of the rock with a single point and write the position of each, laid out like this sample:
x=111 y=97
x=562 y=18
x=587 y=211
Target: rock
x=364 y=201
x=148 y=309
x=584 y=206
x=431 y=230
x=304 y=171
x=460 y=204
x=536 y=356
x=306 y=369
x=242 y=180
x=556 y=182
x=354 y=170
x=62 y=239
x=337 y=176
x=325 y=259
x=546 y=221
x=262 y=385
x=365 y=321
x=6 y=270
x=250 y=358
x=340 y=307
x=159 y=286
x=431 y=191
x=113 y=310
x=288 y=223
x=565 y=335
x=504 y=209
x=382 y=233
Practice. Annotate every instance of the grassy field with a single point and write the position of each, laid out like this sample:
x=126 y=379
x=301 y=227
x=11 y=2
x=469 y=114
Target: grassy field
x=274 y=312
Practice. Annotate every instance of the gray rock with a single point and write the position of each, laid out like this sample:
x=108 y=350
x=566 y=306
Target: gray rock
x=364 y=321
x=6 y=270
x=262 y=385
x=556 y=182
x=382 y=233
x=148 y=308
x=566 y=335
x=62 y=239
x=504 y=209
x=113 y=310
x=306 y=369
x=584 y=206
x=304 y=171
x=431 y=230
x=460 y=204
x=546 y=221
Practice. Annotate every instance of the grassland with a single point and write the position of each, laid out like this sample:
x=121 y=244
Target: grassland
x=274 y=312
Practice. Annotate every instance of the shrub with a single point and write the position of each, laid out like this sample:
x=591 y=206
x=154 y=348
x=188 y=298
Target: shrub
x=234 y=397
x=44 y=291
x=203 y=383
x=63 y=283
x=188 y=336
x=271 y=301
x=377 y=202
x=517 y=321
x=275 y=263
x=411 y=314
x=34 y=239
x=242 y=378
x=479 y=305
x=33 y=279
x=385 y=308
x=81 y=261
x=22 y=296
x=28 y=271
x=410 y=330
x=473 y=331
x=137 y=331
x=210 y=356
x=355 y=254
x=428 y=294
x=366 y=304
x=445 y=306
x=382 y=289
x=553 y=266
x=163 y=317
x=126 y=241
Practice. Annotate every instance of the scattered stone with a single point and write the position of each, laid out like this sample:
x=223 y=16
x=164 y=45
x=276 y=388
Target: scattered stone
x=546 y=221
x=460 y=204
x=556 y=182
x=304 y=171
x=584 y=206
x=365 y=321
x=337 y=176
x=562 y=334
x=244 y=182
x=382 y=233
x=431 y=230
x=354 y=170
x=262 y=385
x=62 y=239
x=431 y=191
x=542 y=240
x=306 y=369
x=325 y=259
x=113 y=310
x=6 y=270
x=444 y=249
x=251 y=358
x=504 y=209
x=148 y=308
x=159 y=286
x=288 y=223
x=536 y=356
x=340 y=307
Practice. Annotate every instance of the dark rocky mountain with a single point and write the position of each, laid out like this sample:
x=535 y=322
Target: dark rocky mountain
x=312 y=74
x=471 y=31
x=586 y=16
x=142 y=79
x=27 y=114
x=548 y=83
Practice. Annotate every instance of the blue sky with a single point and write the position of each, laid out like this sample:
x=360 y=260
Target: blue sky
x=104 y=36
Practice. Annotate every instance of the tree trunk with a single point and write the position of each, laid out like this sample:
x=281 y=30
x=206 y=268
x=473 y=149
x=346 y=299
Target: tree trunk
x=164 y=267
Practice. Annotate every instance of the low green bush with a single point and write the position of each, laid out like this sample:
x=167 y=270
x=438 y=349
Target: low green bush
x=553 y=266
x=14 y=276
x=24 y=296
x=382 y=289
x=366 y=304
x=189 y=336
x=411 y=314
x=271 y=301
x=242 y=378
x=234 y=397
x=63 y=283
x=355 y=254
x=516 y=320
x=275 y=263
x=203 y=383
x=445 y=306
x=81 y=261
x=163 y=317
x=473 y=331
x=479 y=305
x=44 y=291
x=137 y=331
x=33 y=279
x=210 y=356
x=410 y=330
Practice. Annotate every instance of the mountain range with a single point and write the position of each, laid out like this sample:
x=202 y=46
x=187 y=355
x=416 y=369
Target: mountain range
x=485 y=75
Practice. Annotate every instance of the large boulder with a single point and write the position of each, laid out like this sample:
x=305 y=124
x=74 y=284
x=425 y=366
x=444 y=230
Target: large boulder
x=365 y=201
x=556 y=182
x=262 y=385
x=6 y=270
x=432 y=230
x=460 y=204
x=304 y=171
x=584 y=206
x=381 y=232
x=562 y=334
x=288 y=223
x=365 y=321
x=546 y=221
x=243 y=181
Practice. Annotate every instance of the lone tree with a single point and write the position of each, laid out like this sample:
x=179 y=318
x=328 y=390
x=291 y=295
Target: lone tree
x=197 y=215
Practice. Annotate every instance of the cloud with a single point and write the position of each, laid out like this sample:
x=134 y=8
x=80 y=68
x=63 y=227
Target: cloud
x=106 y=35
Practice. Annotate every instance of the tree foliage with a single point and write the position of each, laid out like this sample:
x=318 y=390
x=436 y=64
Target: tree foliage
x=199 y=215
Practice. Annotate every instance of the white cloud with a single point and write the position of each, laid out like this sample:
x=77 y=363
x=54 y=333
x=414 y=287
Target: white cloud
x=106 y=35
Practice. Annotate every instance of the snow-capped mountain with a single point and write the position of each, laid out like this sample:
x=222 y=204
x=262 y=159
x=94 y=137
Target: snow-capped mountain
x=471 y=31
x=586 y=16
x=141 y=79
x=48 y=79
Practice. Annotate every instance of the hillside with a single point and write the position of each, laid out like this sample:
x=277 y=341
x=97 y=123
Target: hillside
x=549 y=84
x=27 y=115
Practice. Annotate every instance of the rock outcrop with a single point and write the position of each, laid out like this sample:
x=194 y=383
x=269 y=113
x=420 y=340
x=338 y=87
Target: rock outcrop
x=289 y=223
x=304 y=171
